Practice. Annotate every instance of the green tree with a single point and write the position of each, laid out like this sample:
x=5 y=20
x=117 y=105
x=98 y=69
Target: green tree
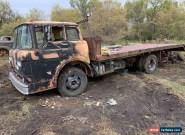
x=84 y=6
x=154 y=9
x=170 y=23
x=7 y=28
x=109 y=21
x=35 y=15
x=61 y=14
x=155 y=19
x=136 y=16
x=6 y=13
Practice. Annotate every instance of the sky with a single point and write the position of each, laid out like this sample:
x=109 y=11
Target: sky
x=23 y=6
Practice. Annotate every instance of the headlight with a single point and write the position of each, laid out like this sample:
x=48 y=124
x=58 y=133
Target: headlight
x=10 y=59
x=19 y=64
x=17 y=67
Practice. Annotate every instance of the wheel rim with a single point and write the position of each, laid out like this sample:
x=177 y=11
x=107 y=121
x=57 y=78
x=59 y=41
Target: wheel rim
x=73 y=82
x=152 y=65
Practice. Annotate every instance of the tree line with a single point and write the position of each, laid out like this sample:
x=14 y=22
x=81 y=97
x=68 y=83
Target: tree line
x=114 y=22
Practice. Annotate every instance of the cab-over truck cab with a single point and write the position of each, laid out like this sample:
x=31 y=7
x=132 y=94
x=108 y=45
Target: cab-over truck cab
x=49 y=55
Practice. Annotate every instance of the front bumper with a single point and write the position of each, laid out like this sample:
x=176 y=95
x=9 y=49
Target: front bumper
x=20 y=86
x=31 y=88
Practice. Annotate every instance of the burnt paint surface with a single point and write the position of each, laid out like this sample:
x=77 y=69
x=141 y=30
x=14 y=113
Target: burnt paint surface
x=41 y=67
x=49 y=58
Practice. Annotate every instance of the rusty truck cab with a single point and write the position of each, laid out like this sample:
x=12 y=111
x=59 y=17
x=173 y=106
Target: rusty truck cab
x=41 y=50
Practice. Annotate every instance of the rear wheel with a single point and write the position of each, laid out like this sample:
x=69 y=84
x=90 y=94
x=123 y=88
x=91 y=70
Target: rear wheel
x=72 y=82
x=150 y=64
x=181 y=55
x=140 y=64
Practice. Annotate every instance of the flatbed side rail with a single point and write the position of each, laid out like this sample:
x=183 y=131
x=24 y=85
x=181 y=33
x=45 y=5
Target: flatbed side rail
x=140 y=52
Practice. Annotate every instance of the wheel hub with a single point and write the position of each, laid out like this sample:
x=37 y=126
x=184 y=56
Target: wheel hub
x=152 y=64
x=73 y=82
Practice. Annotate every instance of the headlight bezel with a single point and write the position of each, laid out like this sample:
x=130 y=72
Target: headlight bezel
x=19 y=63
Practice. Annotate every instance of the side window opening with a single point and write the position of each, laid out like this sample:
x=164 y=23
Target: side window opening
x=57 y=33
x=39 y=33
x=72 y=34
x=44 y=34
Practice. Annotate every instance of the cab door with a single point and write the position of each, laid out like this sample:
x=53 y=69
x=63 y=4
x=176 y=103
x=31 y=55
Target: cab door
x=47 y=53
x=21 y=54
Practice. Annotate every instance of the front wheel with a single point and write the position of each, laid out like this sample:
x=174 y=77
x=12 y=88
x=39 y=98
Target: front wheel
x=72 y=82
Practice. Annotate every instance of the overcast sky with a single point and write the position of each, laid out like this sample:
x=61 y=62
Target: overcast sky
x=23 y=6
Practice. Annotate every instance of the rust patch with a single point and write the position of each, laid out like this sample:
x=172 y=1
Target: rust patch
x=81 y=54
x=51 y=56
x=42 y=89
x=52 y=84
x=82 y=51
x=64 y=63
x=33 y=56
x=23 y=54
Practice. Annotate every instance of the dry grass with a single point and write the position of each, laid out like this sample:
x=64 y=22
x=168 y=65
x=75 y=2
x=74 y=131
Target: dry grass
x=104 y=127
x=26 y=107
x=10 y=121
x=174 y=88
x=46 y=130
x=3 y=62
x=48 y=133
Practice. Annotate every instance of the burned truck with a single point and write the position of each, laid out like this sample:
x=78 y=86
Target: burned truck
x=50 y=55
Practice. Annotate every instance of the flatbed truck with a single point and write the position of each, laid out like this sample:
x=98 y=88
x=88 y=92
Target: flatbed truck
x=50 y=55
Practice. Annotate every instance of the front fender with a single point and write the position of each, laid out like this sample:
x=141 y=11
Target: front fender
x=65 y=63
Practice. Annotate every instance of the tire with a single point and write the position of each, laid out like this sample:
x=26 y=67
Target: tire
x=140 y=64
x=150 y=64
x=72 y=82
x=181 y=56
x=3 y=52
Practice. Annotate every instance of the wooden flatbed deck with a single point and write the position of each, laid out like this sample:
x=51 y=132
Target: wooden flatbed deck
x=138 y=49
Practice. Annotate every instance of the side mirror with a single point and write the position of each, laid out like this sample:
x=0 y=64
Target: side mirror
x=89 y=15
x=85 y=20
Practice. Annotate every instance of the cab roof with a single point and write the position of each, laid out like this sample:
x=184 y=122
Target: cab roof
x=48 y=23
